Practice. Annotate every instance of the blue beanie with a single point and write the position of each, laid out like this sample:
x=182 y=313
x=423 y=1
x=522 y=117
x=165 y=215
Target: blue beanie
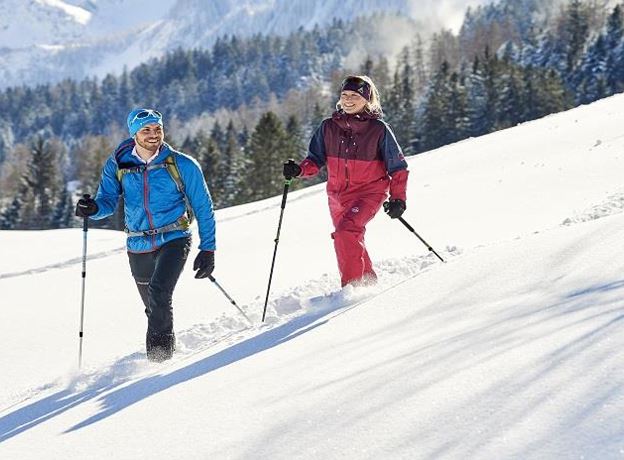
x=141 y=117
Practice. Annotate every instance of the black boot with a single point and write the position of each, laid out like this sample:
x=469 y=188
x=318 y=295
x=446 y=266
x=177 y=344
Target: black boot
x=160 y=347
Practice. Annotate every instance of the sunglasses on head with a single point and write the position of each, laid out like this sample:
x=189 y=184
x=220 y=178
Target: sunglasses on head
x=354 y=80
x=146 y=113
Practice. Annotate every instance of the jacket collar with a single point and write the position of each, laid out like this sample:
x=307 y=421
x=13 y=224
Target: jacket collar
x=123 y=152
x=353 y=122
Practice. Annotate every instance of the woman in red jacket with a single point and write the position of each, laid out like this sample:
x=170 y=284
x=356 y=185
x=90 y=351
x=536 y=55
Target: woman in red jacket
x=364 y=163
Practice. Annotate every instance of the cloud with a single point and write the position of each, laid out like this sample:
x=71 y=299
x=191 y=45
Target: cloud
x=447 y=13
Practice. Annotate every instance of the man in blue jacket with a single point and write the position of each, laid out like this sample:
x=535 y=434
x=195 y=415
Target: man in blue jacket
x=163 y=190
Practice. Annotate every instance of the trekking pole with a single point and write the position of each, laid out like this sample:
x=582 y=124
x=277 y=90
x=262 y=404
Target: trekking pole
x=279 y=226
x=211 y=278
x=411 y=229
x=85 y=229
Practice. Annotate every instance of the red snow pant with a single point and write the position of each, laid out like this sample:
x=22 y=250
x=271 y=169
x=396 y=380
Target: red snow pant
x=350 y=216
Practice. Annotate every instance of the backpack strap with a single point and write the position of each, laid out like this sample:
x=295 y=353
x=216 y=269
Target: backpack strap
x=171 y=165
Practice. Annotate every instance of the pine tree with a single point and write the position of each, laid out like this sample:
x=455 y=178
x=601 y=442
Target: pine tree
x=510 y=101
x=435 y=112
x=318 y=115
x=420 y=67
x=218 y=135
x=213 y=167
x=89 y=156
x=233 y=168
x=458 y=126
x=268 y=149
x=591 y=78
x=10 y=217
x=478 y=119
x=382 y=77
x=44 y=181
x=295 y=145
x=64 y=210
x=367 y=67
x=576 y=30
x=613 y=43
x=399 y=107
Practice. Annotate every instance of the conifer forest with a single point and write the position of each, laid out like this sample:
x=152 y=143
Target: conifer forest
x=244 y=106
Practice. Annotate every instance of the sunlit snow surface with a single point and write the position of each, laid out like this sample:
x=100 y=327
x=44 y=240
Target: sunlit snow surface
x=510 y=349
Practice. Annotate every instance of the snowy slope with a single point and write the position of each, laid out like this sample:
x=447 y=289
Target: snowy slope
x=512 y=349
x=48 y=40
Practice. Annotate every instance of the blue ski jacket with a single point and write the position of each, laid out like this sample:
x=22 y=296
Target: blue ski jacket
x=152 y=199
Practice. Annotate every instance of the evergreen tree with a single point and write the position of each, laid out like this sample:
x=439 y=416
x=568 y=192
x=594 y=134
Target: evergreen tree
x=613 y=43
x=268 y=149
x=44 y=180
x=591 y=76
x=64 y=210
x=419 y=67
x=296 y=148
x=575 y=32
x=89 y=156
x=458 y=122
x=218 y=135
x=213 y=167
x=399 y=109
x=435 y=114
x=367 y=67
x=478 y=103
x=10 y=217
x=510 y=101
x=382 y=77
x=318 y=115
x=552 y=95
x=233 y=168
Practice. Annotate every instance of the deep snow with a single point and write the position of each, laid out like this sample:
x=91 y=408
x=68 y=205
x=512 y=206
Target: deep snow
x=512 y=349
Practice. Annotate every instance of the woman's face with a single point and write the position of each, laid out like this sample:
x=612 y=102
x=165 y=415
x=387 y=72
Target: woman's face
x=352 y=102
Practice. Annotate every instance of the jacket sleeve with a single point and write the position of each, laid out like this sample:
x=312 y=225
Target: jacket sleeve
x=395 y=164
x=199 y=196
x=109 y=190
x=316 y=154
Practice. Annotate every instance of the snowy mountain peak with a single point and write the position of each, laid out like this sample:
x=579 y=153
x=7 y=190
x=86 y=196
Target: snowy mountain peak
x=48 y=40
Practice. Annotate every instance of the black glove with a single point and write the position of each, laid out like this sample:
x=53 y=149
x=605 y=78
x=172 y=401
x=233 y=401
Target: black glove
x=86 y=207
x=395 y=208
x=204 y=264
x=291 y=169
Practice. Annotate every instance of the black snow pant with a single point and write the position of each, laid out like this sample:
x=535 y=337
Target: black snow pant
x=156 y=275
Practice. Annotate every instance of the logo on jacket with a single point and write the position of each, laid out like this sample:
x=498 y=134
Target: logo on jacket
x=355 y=210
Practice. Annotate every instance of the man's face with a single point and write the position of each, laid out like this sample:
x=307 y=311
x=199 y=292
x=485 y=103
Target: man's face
x=352 y=102
x=150 y=137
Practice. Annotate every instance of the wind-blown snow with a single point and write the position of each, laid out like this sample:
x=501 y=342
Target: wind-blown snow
x=511 y=349
x=78 y=14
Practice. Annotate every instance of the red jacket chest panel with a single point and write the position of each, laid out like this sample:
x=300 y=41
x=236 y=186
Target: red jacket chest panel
x=357 y=140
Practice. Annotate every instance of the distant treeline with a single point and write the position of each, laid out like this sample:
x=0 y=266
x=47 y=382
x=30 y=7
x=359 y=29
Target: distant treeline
x=254 y=101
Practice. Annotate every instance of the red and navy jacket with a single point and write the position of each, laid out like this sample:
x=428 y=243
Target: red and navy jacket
x=361 y=154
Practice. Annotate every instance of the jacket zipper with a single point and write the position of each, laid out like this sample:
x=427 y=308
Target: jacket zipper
x=146 y=206
x=346 y=163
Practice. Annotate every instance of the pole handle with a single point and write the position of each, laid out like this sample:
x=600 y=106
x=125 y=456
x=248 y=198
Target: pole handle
x=85 y=220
